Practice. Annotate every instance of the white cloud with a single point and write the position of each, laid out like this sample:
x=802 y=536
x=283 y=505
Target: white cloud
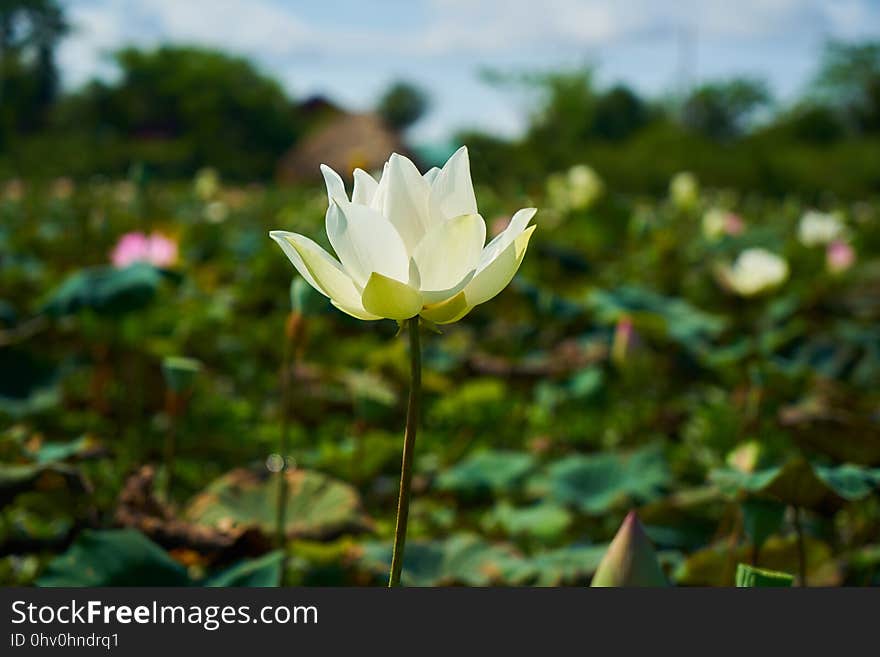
x=242 y=25
x=330 y=48
x=259 y=29
x=271 y=28
x=574 y=23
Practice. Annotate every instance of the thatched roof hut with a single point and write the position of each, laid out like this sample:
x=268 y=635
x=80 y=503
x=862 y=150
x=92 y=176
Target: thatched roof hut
x=342 y=142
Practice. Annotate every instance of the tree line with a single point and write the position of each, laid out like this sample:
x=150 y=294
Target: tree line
x=174 y=109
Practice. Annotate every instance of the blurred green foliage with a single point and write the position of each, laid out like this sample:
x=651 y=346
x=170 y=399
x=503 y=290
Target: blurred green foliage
x=178 y=109
x=619 y=370
x=729 y=130
x=30 y=31
x=402 y=104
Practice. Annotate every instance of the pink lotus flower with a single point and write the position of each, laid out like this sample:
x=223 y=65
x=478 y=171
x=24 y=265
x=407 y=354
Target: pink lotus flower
x=624 y=334
x=839 y=256
x=498 y=224
x=717 y=222
x=155 y=249
x=733 y=224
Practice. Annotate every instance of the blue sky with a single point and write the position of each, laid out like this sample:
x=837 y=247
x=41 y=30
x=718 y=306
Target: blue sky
x=351 y=49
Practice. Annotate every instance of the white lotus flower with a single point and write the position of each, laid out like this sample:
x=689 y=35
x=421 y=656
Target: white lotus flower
x=409 y=244
x=819 y=228
x=576 y=189
x=684 y=190
x=754 y=271
x=713 y=223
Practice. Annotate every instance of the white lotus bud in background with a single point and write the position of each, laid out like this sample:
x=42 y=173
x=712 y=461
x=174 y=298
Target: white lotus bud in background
x=576 y=189
x=819 y=228
x=206 y=183
x=684 y=190
x=585 y=186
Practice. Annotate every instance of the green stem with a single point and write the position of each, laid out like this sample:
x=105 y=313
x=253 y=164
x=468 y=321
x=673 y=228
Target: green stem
x=170 y=448
x=801 y=545
x=409 y=439
x=283 y=440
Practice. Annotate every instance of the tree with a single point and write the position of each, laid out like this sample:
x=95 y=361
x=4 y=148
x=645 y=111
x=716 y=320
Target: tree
x=402 y=105
x=619 y=114
x=723 y=110
x=849 y=82
x=811 y=123
x=29 y=34
x=205 y=107
x=563 y=122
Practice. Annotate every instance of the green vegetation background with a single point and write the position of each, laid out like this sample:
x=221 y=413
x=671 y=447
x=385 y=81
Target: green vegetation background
x=735 y=425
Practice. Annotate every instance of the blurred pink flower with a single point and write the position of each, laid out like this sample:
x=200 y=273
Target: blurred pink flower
x=733 y=224
x=130 y=248
x=839 y=256
x=624 y=334
x=156 y=249
x=498 y=224
x=718 y=222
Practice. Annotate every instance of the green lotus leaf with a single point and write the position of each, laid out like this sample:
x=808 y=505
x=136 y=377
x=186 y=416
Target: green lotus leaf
x=492 y=471
x=545 y=521
x=29 y=384
x=318 y=506
x=105 y=290
x=799 y=483
x=115 y=557
x=654 y=313
x=460 y=559
x=597 y=483
x=569 y=566
x=262 y=572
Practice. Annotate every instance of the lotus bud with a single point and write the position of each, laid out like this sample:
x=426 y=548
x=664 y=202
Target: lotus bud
x=206 y=184
x=746 y=456
x=839 y=256
x=631 y=559
x=585 y=186
x=684 y=190
x=623 y=337
x=216 y=212
x=733 y=224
